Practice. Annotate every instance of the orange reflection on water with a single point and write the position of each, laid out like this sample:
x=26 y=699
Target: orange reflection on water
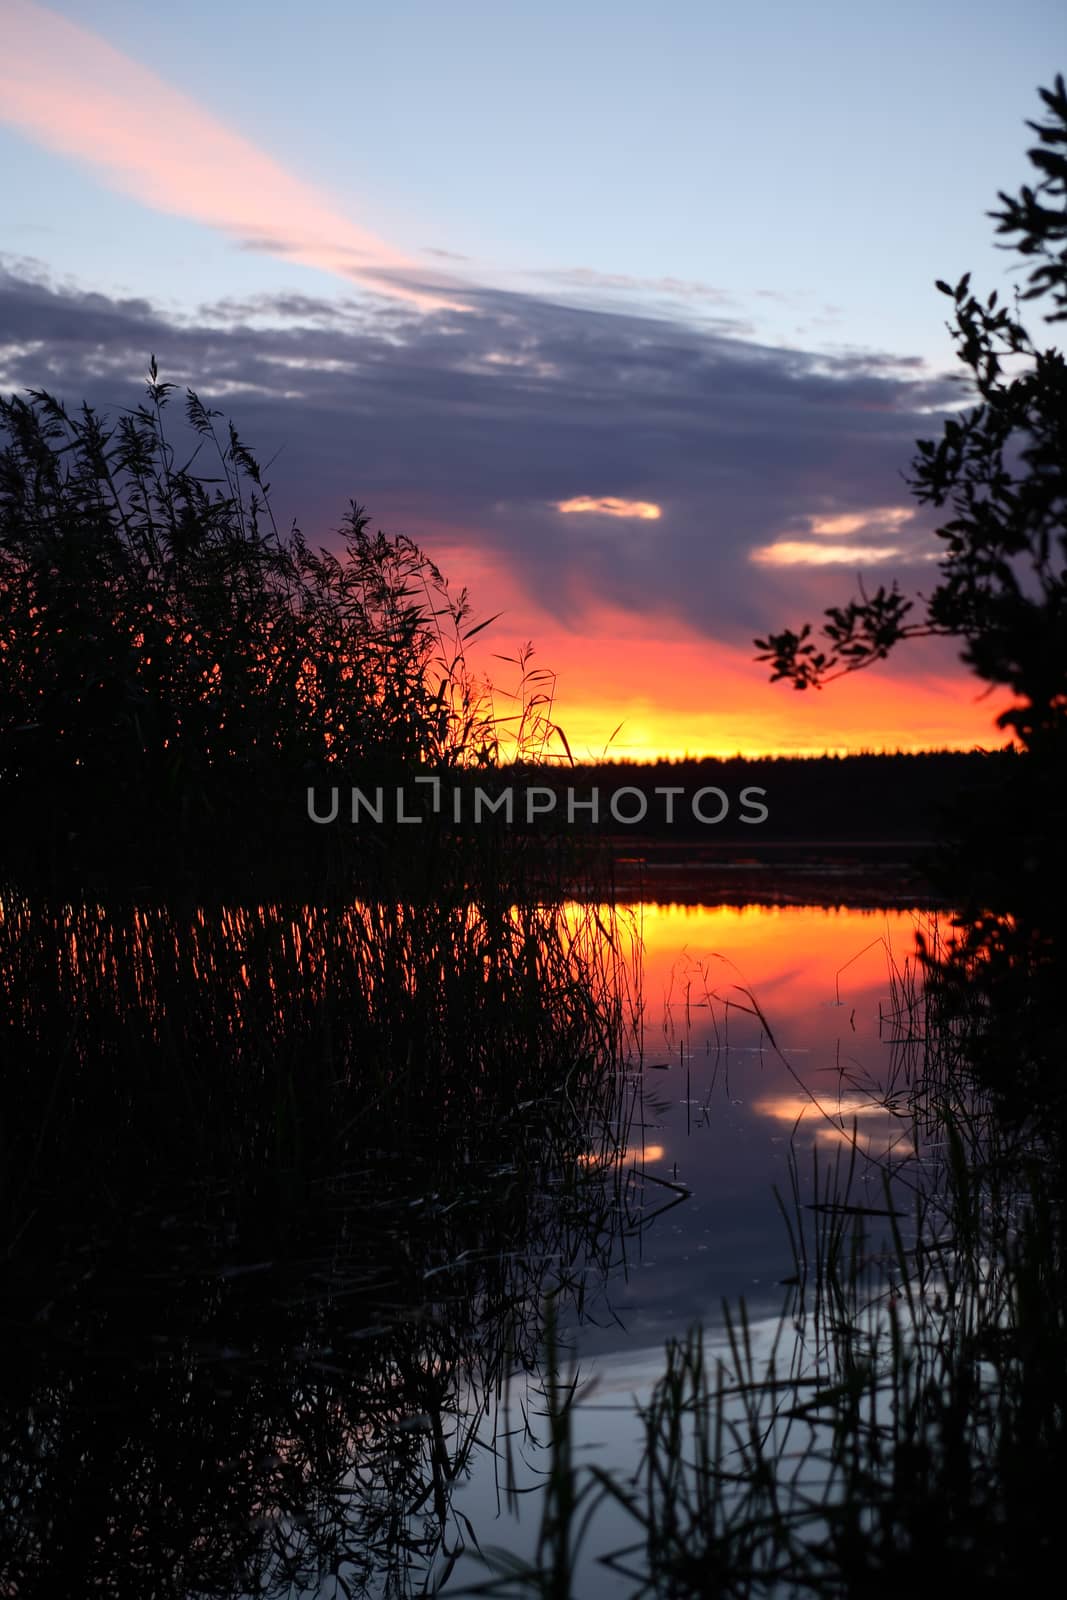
x=882 y=1142
x=842 y=1109
x=625 y=1155
x=794 y=1012
x=788 y=958
x=845 y=1118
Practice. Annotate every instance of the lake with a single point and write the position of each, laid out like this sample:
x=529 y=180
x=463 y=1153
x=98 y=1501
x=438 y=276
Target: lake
x=326 y=1373
x=769 y=1036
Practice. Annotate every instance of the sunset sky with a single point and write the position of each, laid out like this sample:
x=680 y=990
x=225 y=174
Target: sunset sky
x=624 y=312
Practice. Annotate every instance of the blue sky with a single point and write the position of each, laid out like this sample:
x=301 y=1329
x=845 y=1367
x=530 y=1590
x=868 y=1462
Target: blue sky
x=814 y=166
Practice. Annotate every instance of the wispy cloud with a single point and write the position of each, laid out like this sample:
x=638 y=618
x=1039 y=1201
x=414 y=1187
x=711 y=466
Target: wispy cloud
x=877 y=523
x=68 y=89
x=679 y=288
x=794 y=553
x=610 y=506
x=882 y=518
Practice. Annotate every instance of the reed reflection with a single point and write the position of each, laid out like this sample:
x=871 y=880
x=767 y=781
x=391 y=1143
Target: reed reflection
x=285 y=1193
x=287 y=1190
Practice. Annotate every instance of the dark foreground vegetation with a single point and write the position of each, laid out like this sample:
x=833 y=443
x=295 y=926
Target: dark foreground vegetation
x=298 y=1129
x=178 y=670
x=284 y=1192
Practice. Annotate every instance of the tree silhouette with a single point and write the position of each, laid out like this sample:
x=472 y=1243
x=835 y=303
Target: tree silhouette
x=1001 y=469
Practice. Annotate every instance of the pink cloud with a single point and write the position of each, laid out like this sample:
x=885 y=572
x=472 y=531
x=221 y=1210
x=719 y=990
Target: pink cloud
x=610 y=505
x=795 y=553
x=69 y=90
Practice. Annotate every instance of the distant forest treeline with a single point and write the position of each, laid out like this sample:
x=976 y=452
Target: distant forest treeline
x=820 y=798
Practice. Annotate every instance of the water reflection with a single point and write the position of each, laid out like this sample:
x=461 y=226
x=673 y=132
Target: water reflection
x=766 y=1031
x=773 y=1038
x=285 y=1192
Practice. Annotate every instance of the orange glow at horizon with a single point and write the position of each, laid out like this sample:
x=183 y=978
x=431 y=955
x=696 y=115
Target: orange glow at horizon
x=681 y=696
x=678 y=693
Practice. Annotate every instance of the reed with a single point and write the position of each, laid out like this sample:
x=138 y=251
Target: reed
x=285 y=1189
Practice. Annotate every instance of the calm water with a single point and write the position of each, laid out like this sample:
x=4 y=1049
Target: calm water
x=723 y=1099
x=338 y=1383
x=724 y=1094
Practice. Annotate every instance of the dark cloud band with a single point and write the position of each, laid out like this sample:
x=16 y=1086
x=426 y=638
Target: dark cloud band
x=486 y=421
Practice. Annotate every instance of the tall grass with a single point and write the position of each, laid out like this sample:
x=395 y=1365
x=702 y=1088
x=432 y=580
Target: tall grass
x=176 y=669
x=285 y=1189
x=298 y=1126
